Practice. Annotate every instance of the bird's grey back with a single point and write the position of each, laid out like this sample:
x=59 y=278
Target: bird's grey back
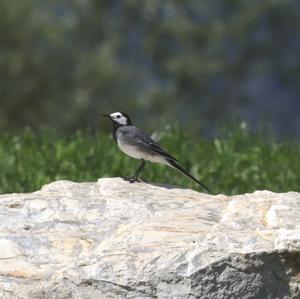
x=134 y=136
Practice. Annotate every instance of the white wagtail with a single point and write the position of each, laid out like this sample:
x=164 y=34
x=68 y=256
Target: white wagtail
x=139 y=145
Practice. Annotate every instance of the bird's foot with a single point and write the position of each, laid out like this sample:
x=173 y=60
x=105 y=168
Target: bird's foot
x=143 y=181
x=131 y=179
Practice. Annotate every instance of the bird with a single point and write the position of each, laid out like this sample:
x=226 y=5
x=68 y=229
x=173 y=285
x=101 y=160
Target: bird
x=139 y=145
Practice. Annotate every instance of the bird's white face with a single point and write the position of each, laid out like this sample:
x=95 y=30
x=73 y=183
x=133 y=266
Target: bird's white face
x=119 y=118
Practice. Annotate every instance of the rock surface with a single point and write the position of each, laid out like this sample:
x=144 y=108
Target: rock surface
x=112 y=239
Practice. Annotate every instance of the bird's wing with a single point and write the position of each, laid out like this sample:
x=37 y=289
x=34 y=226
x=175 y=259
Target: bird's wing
x=145 y=141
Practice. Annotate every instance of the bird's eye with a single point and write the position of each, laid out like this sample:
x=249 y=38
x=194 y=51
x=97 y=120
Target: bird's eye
x=118 y=116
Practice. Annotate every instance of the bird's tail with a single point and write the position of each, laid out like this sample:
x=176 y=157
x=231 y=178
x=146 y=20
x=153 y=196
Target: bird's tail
x=175 y=165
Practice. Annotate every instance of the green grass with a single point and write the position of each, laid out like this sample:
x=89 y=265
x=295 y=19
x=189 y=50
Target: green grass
x=237 y=162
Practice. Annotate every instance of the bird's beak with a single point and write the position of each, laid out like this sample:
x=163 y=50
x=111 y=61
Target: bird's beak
x=106 y=115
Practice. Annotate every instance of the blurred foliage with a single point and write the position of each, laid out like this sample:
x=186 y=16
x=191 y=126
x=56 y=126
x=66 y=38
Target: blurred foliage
x=235 y=162
x=64 y=62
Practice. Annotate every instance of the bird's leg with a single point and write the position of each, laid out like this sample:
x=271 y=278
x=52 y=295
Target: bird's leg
x=134 y=178
x=138 y=171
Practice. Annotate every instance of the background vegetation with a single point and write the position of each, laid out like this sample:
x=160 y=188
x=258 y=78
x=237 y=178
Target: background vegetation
x=201 y=64
x=236 y=162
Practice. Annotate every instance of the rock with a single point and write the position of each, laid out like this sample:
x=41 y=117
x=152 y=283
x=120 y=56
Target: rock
x=113 y=239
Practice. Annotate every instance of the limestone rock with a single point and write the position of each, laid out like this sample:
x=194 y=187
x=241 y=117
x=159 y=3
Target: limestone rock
x=113 y=239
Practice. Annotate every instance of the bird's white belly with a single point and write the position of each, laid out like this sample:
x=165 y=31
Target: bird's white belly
x=133 y=152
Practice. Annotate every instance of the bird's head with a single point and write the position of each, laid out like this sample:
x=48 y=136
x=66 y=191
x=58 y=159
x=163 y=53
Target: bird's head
x=119 y=118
